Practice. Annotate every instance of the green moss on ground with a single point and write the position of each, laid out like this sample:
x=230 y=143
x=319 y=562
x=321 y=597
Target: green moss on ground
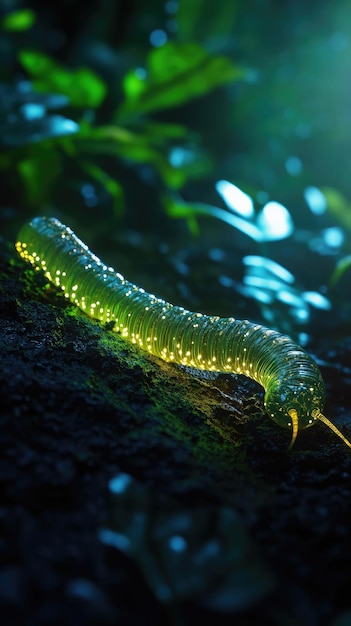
x=79 y=404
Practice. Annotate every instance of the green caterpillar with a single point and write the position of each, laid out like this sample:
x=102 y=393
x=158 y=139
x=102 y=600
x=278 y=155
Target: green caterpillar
x=294 y=388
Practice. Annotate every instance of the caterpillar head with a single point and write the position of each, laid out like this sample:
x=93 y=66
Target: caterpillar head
x=295 y=404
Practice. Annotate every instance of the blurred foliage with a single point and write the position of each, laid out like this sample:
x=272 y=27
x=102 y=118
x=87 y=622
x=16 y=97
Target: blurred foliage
x=338 y=206
x=18 y=20
x=26 y=118
x=342 y=265
x=185 y=554
x=160 y=103
x=82 y=86
x=175 y=73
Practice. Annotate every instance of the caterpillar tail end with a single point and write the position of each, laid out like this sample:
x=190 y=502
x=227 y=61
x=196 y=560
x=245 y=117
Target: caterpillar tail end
x=317 y=414
x=295 y=426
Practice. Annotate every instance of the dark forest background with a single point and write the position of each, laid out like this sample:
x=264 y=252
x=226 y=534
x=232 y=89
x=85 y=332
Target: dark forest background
x=202 y=149
x=132 y=121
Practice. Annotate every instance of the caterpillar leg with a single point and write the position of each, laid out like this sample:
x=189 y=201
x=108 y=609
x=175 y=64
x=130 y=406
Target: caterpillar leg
x=295 y=426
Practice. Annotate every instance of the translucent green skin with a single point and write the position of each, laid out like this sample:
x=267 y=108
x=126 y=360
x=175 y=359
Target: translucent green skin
x=290 y=377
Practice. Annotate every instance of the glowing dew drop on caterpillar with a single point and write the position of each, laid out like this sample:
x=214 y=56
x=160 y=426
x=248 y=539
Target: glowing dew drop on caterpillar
x=294 y=388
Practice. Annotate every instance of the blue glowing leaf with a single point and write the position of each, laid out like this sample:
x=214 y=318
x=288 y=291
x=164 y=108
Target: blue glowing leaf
x=268 y=265
x=274 y=222
x=201 y=555
x=14 y=97
x=315 y=199
x=22 y=132
x=235 y=199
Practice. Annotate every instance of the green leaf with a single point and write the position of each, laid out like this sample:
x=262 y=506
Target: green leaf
x=338 y=206
x=176 y=73
x=38 y=173
x=205 y=20
x=340 y=269
x=83 y=87
x=181 y=210
x=19 y=20
x=117 y=141
x=111 y=185
x=188 y=17
x=161 y=132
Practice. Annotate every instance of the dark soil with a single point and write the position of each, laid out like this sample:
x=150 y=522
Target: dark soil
x=80 y=405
